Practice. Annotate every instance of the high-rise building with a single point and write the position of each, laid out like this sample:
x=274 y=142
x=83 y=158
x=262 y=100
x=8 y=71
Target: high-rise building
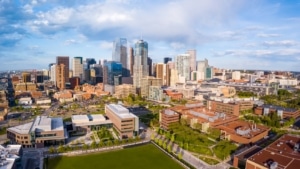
x=161 y=72
x=120 y=54
x=53 y=73
x=89 y=62
x=60 y=76
x=201 y=69
x=64 y=60
x=148 y=81
x=78 y=67
x=167 y=59
x=140 y=67
x=182 y=65
x=149 y=62
x=131 y=56
x=193 y=56
x=112 y=73
x=209 y=73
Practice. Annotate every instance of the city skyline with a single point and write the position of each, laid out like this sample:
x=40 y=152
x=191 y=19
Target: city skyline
x=230 y=34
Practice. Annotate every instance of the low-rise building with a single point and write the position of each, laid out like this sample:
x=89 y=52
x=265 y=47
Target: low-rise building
x=124 y=122
x=86 y=123
x=43 y=131
x=11 y=156
x=281 y=111
x=44 y=100
x=230 y=106
x=174 y=94
x=156 y=93
x=282 y=153
x=243 y=132
x=25 y=101
x=167 y=117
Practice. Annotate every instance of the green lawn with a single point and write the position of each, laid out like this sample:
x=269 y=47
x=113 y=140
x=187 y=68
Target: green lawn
x=140 y=157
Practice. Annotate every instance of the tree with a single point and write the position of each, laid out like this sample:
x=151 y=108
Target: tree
x=94 y=145
x=152 y=136
x=180 y=156
x=60 y=149
x=173 y=137
x=160 y=142
x=85 y=146
x=165 y=144
x=169 y=147
x=51 y=150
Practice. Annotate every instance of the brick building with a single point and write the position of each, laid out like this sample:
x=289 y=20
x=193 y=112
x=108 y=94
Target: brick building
x=281 y=111
x=167 y=117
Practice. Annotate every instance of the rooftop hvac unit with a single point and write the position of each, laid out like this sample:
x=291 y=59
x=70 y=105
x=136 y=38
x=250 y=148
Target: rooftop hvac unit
x=274 y=165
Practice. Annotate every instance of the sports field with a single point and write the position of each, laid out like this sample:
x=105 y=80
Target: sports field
x=140 y=157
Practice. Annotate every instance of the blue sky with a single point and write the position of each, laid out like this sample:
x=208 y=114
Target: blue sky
x=231 y=34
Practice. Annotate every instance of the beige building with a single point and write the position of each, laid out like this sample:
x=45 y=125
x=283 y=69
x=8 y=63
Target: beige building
x=162 y=72
x=60 y=76
x=124 y=122
x=124 y=90
x=149 y=81
x=43 y=131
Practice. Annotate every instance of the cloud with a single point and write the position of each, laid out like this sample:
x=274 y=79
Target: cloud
x=283 y=43
x=71 y=41
x=265 y=35
x=177 y=45
x=274 y=54
x=106 y=45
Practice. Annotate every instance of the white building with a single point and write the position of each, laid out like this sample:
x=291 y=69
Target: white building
x=236 y=75
x=10 y=156
x=182 y=65
x=78 y=68
x=25 y=101
x=201 y=68
x=90 y=122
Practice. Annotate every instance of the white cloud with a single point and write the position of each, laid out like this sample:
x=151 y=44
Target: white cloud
x=70 y=42
x=106 y=45
x=265 y=35
x=283 y=43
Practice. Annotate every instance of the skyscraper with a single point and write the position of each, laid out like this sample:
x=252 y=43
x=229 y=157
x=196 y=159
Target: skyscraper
x=149 y=62
x=112 y=72
x=90 y=61
x=193 y=56
x=65 y=61
x=120 y=54
x=60 y=76
x=167 y=59
x=78 y=67
x=201 y=68
x=131 y=56
x=140 y=67
x=182 y=65
x=161 y=72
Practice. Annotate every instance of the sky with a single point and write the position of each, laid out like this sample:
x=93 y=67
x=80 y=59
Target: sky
x=231 y=34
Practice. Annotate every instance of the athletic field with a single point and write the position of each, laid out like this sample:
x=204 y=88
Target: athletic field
x=140 y=157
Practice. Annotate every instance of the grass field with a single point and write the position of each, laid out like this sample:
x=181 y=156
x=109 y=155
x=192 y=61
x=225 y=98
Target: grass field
x=140 y=157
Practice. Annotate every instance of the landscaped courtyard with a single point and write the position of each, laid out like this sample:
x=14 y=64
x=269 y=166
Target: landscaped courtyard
x=145 y=156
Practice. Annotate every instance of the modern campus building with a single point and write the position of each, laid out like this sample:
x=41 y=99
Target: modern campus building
x=90 y=122
x=11 y=156
x=282 y=153
x=124 y=122
x=43 y=131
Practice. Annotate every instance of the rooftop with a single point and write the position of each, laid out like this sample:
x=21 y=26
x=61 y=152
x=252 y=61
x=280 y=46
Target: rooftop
x=120 y=111
x=40 y=123
x=283 y=151
x=291 y=110
x=8 y=156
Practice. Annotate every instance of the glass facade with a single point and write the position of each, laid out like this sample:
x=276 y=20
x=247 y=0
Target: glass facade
x=120 y=54
x=113 y=73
